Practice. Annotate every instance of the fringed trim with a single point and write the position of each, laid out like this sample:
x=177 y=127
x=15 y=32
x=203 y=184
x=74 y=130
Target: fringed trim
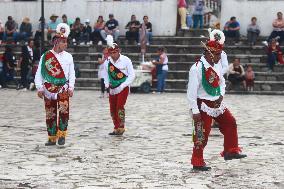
x=213 y=112
x=197 y=161
x=232 y=151
x=52 y=138
x=61 y=133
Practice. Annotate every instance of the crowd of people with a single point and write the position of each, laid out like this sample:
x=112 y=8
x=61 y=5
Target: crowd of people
x=82 y=32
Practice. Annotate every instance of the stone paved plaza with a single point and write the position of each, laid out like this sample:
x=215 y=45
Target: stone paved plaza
x=154 y=152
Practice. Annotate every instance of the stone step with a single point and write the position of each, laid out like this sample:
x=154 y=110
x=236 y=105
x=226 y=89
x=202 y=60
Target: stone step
x=260 y=67
x=177 y=84
x=174 y=74
x=190 y=57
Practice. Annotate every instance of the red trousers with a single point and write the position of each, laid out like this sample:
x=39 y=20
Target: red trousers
x=57 y=123
x=227 y=126
x=117 y=110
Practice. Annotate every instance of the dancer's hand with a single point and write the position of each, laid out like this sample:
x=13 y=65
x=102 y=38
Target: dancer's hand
x=196 y=118
x=40 y=94
x=70 y=92
x=218 y=102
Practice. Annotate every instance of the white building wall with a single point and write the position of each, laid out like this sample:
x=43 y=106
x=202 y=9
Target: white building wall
x=264 y=10
x=162 y=14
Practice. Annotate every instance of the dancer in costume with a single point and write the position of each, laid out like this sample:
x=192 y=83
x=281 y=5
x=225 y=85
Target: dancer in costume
x=206 y=89
x=118 y=77
x=55 y=79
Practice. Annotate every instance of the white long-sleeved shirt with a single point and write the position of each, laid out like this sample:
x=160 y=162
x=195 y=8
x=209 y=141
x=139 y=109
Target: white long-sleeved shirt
x=124 y=64
x=66 y=61
x=224 y=62
x=195 y=89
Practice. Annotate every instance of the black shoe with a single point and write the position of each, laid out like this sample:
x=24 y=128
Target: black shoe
x=234 y=156
x=49 y=143
x=61 y=141
x=201 y=168
x=113 y=133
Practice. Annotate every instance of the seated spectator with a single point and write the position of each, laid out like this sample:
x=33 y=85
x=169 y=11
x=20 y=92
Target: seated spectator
x=253 y=31
x=232 y=29
x=278 y=28
x=182 y=13
x=236 y=74
x=11 y=29
x=87 y=32
x=10 y=63
x=274 y=55
x=249 y=76
x=38 y=31
x=1 y=31
x=111 y=28
x=147 y=31
x=98 y=27
x=198 y=14
x=52 y=26
x=133 y=29
x=77 y=31
x=66 y=21
x=25 y=29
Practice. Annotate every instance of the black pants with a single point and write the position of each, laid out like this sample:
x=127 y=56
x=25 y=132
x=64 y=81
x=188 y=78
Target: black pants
x=275 y=34
x=102 y=85
x=236 y=79
x=24 y=77
x=233 y=34
x=132 y=35
x=96 y=36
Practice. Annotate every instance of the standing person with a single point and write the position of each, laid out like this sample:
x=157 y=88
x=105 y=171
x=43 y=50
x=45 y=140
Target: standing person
x=161 y=69
x=101 y=60
x=249 y=78
x=198 y=14
x=182 y=13
x=26 y=62
x=206 y=89
x=55 y=79
x=119 y=74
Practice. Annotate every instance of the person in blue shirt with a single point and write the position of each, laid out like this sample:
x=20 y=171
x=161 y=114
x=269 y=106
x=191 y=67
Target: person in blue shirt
x=232 y=29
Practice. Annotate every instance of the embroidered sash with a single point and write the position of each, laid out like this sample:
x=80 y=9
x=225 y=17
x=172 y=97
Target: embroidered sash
x=210 y=81
x=115 y=75
x=51 y=70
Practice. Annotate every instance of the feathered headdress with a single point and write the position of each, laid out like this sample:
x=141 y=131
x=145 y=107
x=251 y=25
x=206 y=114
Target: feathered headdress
x=62 y=30
x=216 y=40
x=112 y=47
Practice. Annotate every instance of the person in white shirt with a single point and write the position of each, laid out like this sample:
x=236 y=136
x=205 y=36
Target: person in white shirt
x=54 y=80
x=162 y=69
x=206 y=88
x=119 y=74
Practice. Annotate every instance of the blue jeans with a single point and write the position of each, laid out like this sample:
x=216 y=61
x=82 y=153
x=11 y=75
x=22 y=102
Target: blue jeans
x=161 y=81
x=198 y=19
x=15 y=36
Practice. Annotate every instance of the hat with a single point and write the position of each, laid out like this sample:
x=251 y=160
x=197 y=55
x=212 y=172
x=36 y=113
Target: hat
x=112 y=47
x=52 y=16
x=216 y=40
x=26 y=20
x=62 y=31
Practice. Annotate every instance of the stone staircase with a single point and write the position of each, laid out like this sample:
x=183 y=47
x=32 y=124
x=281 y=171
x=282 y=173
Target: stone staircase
x=182 y=51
